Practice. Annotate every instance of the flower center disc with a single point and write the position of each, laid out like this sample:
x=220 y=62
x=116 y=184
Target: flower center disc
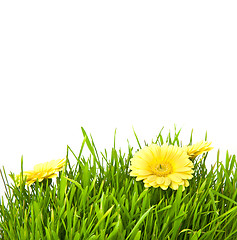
x=162 y=169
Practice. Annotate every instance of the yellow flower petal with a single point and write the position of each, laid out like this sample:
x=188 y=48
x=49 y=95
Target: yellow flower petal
x=174 y=185
x=186 y=183
x=160 y=180
x=175 y=178
x=167 y=181
x=164 y=187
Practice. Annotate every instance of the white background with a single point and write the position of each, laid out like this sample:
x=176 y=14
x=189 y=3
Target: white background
x=114 y=64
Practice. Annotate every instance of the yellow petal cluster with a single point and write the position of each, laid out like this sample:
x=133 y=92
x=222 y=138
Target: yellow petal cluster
x=198 y=148
x=43 y=171
x=162 y=166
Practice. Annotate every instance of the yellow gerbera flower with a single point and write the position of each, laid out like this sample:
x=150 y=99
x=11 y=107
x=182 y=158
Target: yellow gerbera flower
x=43 y=171
x=198 y=148
x=165 y=166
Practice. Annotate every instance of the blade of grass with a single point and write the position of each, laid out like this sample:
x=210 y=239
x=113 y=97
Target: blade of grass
x=137 y=138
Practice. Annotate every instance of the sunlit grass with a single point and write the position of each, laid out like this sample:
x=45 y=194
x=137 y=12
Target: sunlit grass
x=98 y=199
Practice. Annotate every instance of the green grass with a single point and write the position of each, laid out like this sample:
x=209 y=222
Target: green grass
x=97 y=199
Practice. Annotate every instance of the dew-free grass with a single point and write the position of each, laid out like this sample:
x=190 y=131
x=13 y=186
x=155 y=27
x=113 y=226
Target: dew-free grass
x=98 y=199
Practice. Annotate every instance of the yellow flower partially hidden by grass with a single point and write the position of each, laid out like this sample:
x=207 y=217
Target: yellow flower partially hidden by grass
x=165 y=166
x=198 y=148
x=43 y=171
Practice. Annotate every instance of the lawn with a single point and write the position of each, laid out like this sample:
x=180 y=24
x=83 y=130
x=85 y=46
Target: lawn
x=99 y=197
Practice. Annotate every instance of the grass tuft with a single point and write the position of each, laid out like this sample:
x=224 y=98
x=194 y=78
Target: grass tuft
x=98 y=199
